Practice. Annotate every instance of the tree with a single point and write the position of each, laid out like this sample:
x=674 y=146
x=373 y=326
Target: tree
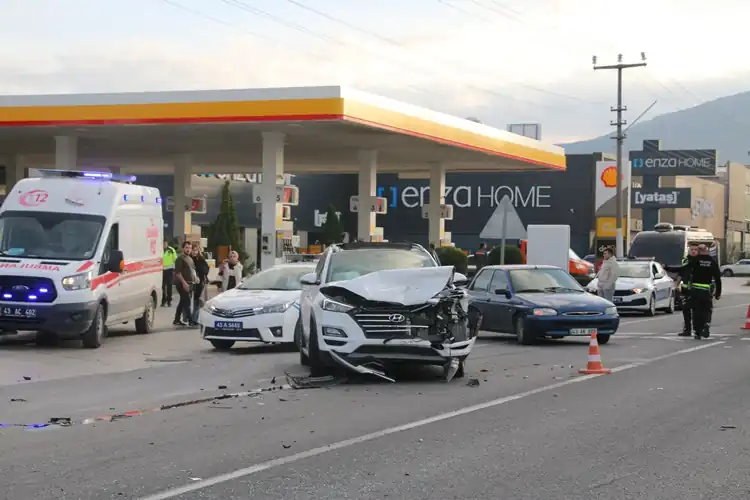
x=452 y=256
x=333 y=230
x=513 y=255
x=225 y=231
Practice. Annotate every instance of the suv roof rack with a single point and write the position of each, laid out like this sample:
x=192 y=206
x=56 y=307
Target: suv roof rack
x=357 y=245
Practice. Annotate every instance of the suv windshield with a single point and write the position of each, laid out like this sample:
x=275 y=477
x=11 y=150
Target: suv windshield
x=49 y=235
x=667 y=248
x=634 y=270
x=350 y=264
x=543 y=281
x=277 y=278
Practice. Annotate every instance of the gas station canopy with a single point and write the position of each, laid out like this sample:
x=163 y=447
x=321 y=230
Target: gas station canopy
x=220 y=130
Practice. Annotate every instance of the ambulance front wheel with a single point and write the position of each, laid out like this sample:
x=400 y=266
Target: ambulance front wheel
x=94 y=336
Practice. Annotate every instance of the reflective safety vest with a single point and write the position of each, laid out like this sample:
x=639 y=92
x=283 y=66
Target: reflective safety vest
x=169 y=258
x=685 y=285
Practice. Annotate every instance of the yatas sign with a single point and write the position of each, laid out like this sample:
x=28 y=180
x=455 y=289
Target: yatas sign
x=674 y=162
x=661 y=198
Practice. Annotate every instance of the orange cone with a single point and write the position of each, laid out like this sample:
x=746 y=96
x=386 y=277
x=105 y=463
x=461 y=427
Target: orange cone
x=747 y=319
x=594 y=366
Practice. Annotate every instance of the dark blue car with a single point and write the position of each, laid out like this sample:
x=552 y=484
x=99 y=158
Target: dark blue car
x=533 y=302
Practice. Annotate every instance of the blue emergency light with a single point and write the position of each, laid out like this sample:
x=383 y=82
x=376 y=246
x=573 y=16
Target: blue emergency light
x=77 y=174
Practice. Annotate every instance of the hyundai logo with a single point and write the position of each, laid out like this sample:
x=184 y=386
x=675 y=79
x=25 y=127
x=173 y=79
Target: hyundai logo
x=20 y=288
x=396 y=318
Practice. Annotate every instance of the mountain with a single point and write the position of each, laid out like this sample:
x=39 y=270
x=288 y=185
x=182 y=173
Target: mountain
x=722 y=124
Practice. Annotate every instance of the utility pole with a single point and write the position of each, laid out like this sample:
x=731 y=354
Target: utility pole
x=620 y=138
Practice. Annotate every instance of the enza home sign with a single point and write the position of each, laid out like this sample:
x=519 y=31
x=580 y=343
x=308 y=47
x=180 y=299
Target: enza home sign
x=676 y=162
x=661 y=198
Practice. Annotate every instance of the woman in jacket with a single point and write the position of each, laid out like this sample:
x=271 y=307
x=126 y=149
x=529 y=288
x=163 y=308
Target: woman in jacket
x=201 y=270
x=231 y=271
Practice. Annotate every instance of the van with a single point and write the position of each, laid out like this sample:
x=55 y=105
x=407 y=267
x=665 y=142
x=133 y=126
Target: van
x=79 y=252
x=580 y=269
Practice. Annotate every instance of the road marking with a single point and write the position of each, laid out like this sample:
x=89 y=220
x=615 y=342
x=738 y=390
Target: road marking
x=667 y=316
x=263 y=466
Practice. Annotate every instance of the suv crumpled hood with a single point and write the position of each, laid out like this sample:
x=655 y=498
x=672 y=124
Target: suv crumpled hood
x=408 y=287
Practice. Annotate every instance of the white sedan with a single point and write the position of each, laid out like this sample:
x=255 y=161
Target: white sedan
x=643 y=286
x=263 y=308
x=739 y=268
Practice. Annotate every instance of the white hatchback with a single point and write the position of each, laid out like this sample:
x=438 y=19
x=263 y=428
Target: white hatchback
x=263 y=308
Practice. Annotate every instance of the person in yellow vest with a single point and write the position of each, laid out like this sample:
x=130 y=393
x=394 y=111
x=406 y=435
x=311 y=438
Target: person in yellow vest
x=167 y=278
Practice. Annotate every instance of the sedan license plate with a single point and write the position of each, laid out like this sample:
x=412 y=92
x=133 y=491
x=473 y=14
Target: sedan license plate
x=228 y=325
x=581 y=332
x=18 y=312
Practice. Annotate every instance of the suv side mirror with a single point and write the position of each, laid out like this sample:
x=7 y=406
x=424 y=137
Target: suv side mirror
x=116 y=262
x=309 y=279
x=460 y=279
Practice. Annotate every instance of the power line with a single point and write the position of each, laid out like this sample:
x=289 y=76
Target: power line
x=395 y=43
x=262 y=13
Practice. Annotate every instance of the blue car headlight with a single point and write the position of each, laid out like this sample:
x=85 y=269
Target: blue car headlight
x=611 y=311
x=544 y=311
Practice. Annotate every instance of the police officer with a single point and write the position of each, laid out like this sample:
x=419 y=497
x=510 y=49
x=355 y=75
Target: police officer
x=687 y=306
x=705 y=281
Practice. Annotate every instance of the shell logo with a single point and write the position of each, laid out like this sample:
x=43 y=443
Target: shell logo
x=609 y=177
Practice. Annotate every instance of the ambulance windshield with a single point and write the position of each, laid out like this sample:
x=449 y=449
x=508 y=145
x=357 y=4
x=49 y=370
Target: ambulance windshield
x=49 y=235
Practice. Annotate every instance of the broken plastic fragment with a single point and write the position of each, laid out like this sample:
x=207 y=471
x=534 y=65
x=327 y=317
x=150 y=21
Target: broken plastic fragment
x=360 y=369
x=450 y=369
x=473 y=382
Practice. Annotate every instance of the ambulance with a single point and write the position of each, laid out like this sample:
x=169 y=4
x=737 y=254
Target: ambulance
x=79 y=252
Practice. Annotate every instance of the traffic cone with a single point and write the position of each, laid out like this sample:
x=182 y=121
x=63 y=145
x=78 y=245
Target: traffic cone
x=594 y=366
x=747 y=319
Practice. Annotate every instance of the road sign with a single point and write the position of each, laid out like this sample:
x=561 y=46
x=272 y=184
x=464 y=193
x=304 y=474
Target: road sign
x=504 y=223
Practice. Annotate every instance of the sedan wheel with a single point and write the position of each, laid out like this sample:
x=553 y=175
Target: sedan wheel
x=670 y=309
x=651 y=306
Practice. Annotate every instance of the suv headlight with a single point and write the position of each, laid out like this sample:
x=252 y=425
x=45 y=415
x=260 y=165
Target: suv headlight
x=80 y=281
x=544 y=311
x=637 y=290
x=337 y=307
x=611 y=311
x=274 y=308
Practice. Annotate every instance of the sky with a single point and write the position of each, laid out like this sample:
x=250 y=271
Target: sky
x=501 y=61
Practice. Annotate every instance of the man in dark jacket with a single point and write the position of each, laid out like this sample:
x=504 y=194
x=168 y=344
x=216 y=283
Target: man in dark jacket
x=705 y=282
x=480 y=256
x=684 y=284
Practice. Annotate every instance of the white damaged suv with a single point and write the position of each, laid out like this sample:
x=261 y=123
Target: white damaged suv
x=371 y=305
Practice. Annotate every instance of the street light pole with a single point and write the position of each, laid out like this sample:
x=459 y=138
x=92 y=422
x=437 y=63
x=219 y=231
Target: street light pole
x=620 y=138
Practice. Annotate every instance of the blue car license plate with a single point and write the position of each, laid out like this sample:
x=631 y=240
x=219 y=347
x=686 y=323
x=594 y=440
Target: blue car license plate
x=228 y=325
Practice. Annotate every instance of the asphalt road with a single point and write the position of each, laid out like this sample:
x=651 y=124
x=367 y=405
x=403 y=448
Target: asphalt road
x=670 y=423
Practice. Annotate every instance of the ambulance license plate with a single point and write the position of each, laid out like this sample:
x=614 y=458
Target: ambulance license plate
x=581 y=332
x=228 y=326
x=18 y=312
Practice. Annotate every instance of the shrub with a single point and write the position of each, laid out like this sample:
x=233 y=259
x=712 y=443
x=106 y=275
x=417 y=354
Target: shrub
x=452 y=256
x=513 y=255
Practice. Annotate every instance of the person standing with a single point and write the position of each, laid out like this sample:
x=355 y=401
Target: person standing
x=608 y=275
x=705 y=284
x=231 y=271
x=684 y=284
x=201 y=270
x=480 y=256
x=185 y=276
x=167 y=278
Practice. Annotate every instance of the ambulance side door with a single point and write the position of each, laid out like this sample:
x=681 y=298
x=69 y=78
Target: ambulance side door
x=111 y=281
